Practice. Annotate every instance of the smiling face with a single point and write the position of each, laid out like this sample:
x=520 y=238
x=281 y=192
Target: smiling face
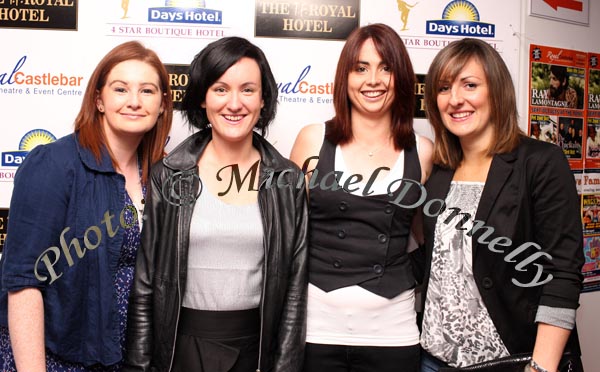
x=465 y=107
x=131 y=100
x=370 y=83
x=234 y=101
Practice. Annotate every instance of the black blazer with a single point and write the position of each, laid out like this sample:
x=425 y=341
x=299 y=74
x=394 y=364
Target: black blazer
x=529 y=197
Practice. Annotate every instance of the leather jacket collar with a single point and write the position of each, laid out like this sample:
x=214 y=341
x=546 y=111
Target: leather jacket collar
x=185 y=156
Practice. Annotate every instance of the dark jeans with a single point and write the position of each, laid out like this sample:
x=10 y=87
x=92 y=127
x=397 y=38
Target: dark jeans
x=342 y=358
x=430 y=363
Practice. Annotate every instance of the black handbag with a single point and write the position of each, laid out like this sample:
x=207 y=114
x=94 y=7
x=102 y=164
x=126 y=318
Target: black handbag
x=517 y=363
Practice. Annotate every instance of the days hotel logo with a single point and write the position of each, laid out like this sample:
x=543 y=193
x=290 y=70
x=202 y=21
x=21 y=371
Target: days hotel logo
x=183 y=19
x=29 y=141
x=185 y=11
x=460 y=18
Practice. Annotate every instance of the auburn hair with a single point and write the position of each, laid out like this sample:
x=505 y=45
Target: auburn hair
x=393 y=53
x=88 y=123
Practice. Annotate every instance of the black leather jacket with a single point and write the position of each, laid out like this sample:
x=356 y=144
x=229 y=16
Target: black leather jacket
x=161 y=267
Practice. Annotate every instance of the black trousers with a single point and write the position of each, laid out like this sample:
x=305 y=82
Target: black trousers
x=217 y=341
x=342 y=358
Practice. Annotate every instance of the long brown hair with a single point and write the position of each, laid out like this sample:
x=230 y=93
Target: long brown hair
x=446 y=66
x=393 y=52
x=88 y=122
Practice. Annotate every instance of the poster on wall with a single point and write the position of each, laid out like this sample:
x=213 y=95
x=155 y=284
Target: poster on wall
x=591 y=208
x=559 y=113
x=557 y=95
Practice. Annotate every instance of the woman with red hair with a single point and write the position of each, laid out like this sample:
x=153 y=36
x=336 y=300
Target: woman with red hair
x=66 y=309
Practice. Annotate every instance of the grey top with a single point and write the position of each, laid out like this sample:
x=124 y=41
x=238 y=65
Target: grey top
x=226 y=256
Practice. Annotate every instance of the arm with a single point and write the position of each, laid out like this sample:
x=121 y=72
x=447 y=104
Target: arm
x=417 y=238
x=140 y=338
x=26 y=324
x=308 y=144
x=558 y=231
x=292 y=330
x=549 y=345
x=37 y=217
x=425 y=157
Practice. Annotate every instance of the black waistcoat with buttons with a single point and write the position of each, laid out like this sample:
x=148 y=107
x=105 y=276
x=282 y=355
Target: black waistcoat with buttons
x=361 y=240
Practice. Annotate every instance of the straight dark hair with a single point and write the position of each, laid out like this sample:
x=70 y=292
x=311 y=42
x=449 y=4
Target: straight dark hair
x=391 y=48
x=504 y=117
x=211 y=63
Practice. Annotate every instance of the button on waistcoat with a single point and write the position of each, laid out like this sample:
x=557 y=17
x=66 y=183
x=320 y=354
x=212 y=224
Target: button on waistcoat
x=361 y=240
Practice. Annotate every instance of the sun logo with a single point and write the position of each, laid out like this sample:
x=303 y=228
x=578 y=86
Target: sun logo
x=35 y=137
x=461 y=10
x=460 y=18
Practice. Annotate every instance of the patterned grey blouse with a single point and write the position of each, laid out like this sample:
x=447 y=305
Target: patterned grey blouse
x=457 y=328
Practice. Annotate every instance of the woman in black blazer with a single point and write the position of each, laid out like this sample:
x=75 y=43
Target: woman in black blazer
x=503 y=231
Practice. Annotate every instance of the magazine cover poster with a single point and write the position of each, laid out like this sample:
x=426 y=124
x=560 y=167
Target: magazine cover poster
x=591 y=267
x=570 y=136
x=557 y=88
x=592 y=143
x=594 y=83
x=544 y=128
x=557 y=85
x=590 y=214
x=592 y=140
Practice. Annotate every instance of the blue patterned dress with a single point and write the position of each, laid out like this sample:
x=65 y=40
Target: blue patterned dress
x=122 y=284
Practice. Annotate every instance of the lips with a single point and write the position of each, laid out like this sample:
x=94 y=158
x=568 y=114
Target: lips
x=461 y=115
x=373 y=93
x=132 y=115
x=233 y=117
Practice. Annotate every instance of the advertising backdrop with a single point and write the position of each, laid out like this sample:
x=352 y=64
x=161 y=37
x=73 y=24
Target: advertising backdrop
x=50 y=47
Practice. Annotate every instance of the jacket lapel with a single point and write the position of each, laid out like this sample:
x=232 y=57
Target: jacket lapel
x=498 y=175
x=437 y=188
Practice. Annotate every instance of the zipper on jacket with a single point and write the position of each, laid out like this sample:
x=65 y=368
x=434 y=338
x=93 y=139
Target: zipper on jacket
x=264 y=289
x=179 y=234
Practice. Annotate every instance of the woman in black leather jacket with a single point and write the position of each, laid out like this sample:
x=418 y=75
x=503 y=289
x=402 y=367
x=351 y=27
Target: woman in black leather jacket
x=221 y=279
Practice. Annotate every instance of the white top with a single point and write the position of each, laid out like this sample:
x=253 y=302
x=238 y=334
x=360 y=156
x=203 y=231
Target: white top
x=353 y=315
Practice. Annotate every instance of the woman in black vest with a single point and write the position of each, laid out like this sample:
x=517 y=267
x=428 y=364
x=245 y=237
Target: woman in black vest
x=361 y=298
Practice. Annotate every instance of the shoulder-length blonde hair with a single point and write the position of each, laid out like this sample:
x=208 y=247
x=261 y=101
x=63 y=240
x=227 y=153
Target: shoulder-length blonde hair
x=88 y=123
x=504 y=116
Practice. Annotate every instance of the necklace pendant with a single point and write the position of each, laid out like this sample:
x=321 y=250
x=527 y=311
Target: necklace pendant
x=371 y=154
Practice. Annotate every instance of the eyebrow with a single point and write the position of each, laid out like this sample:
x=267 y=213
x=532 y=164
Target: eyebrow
x=359 y=62
x=126 y=83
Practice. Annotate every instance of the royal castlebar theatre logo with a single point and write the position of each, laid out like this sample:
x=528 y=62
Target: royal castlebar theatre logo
x=29 y=141
x=460 y=18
